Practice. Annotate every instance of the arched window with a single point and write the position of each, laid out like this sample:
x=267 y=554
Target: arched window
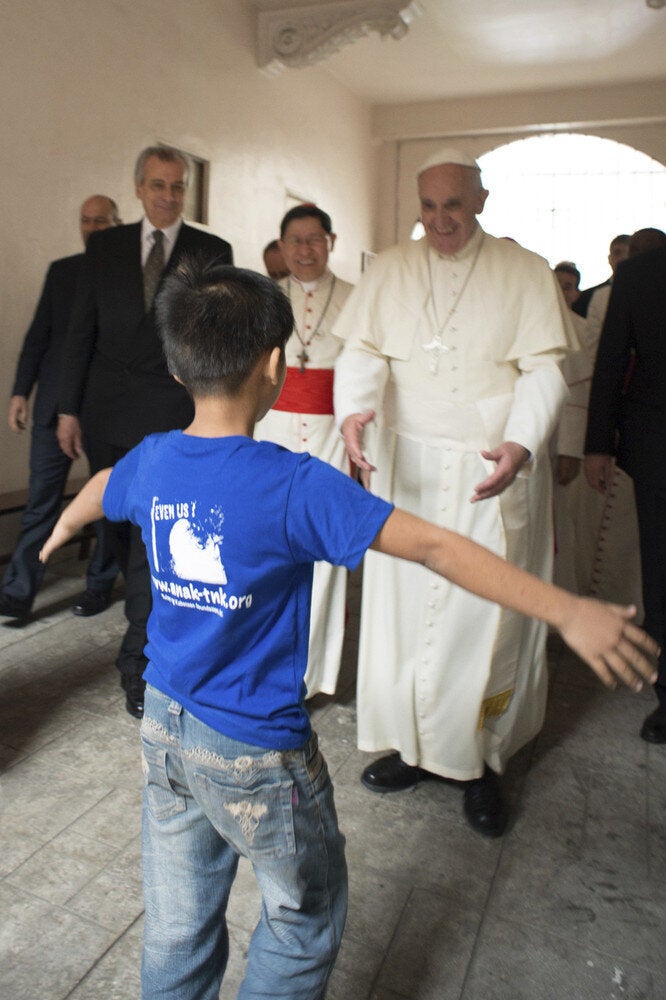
x=566 y=196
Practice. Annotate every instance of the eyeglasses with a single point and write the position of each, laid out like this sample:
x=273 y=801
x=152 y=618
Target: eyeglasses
x=310 y=241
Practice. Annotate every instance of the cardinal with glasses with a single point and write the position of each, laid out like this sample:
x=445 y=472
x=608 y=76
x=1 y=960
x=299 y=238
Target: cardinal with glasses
x=302 y=419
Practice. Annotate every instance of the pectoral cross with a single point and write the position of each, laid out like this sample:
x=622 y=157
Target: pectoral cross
x=440 y=348
x=303 y=358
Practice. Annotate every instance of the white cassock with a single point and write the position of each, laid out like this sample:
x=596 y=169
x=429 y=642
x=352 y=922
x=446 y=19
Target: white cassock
x=316 y=306
x=446 y=678
x=598 y=550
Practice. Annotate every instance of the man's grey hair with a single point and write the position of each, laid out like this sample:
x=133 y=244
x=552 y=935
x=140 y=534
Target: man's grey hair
x=167 y=154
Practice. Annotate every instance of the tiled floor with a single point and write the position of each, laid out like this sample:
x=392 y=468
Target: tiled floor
x=569 y=905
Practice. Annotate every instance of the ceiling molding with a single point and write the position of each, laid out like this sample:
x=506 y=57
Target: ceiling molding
x=302 y=36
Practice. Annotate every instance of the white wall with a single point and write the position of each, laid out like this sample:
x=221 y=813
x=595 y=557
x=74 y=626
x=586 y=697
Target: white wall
x=85 y=84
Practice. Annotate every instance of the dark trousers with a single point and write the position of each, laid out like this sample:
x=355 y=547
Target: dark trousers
x=49 y=467
x=127 y=544
x=651 y=510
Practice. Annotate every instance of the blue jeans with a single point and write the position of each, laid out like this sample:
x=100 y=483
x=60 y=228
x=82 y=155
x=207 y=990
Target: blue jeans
x=208 y=800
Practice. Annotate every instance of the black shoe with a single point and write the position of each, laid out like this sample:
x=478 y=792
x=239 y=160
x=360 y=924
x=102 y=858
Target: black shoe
x=391 y=774
x=11 y=608
x=654 y=727
x=134 y=691
x=484 y=806
x=93 y=602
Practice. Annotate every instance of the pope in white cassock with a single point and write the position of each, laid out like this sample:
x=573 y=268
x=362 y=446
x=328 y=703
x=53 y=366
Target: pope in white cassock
x=302 y=419
x=454 y=343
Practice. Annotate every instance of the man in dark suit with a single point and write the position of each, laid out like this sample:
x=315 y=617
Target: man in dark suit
x=116 y=387
x=617 y=252
x=627 y=423
x=39 y=363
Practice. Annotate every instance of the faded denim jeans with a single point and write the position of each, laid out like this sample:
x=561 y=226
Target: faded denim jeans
x=208 y=800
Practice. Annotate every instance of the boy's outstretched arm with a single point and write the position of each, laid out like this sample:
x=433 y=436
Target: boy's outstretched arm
x=85 y=508
x=601 y=634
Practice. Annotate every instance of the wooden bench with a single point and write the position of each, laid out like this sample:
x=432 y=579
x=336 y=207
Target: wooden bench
x=16 y=501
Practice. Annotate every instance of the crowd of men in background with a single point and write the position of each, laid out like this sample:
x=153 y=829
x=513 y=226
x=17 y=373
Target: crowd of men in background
x=452 y=379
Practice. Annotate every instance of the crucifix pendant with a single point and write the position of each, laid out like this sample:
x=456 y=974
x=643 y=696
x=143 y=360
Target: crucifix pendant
x=435 y=349
x=303 y=358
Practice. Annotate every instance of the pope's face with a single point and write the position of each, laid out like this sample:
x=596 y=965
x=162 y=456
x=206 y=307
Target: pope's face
x=305 y=248
x=451 y=198
x=162 y=191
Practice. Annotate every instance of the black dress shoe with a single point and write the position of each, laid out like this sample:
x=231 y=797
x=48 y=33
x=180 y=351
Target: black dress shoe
x=135 y=688
x=93 y=602
x=654 y=727
x=484 y=806
x=11 y=608
x=391 y=774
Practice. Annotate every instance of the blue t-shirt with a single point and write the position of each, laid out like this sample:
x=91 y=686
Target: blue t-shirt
x=232 y=527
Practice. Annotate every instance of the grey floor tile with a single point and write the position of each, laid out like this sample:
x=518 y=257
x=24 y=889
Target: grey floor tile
x=117 y=974
x=114 y=897
x=45 y=949
x=40 y=802
x=515 y=961
x=62 y=867
x=432 y=948
x=116 y=818
x=595 y=905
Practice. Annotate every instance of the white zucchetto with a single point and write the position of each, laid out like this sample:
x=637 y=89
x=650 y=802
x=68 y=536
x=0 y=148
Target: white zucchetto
x=448 y=155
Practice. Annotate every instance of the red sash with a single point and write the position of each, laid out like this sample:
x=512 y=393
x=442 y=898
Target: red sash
x=310 y=391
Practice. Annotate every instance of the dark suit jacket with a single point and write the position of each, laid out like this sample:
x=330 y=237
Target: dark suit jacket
x=631 y=423
x=41 y=354
x=114 y=372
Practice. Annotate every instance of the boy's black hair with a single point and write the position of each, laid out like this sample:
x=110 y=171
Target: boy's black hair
x=215 y=322
x=306 y=211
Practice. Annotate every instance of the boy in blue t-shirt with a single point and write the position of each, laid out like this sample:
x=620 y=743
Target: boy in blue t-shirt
x=232 y=528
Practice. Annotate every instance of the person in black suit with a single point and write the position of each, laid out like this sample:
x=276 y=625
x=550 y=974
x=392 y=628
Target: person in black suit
x=116 y=387
x=617 y=252
x=39 y=363
x=627 y=423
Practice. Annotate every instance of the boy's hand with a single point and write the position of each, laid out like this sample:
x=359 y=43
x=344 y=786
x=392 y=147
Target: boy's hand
x=603 y=636
x=59 y=536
